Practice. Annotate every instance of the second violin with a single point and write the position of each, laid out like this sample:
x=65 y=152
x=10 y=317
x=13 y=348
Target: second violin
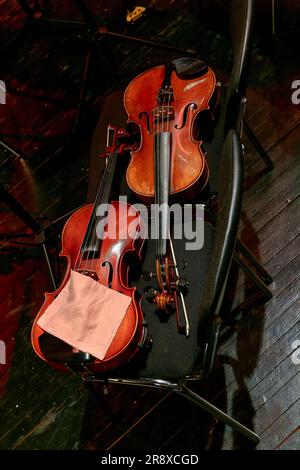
x=166 y=102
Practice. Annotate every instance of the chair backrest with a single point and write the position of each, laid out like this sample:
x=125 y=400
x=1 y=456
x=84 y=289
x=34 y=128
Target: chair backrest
x=241 y=29
x=228 y=216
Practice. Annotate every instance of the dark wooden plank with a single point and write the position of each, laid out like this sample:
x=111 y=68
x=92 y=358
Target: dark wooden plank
x=264 y=390
x=284 y=395
x=281 y=428
x=276 y=407
x=154 y=430
x=291 y=441
x=284 y=269
x=47 y=429
x=283 y=156
x=267 y=111
x=254 y=373
x=20 y=266
x=261 y=329
x=127 y=404
x=258 y=196
x=287 y=220
x=264 y=402
x=132 y=416
x=243 y=285
x=35 y=396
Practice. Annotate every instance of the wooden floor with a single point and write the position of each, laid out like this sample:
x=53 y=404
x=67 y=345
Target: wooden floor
x=256 y=380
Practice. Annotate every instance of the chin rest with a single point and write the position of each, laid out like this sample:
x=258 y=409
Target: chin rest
x=188 y=67
x=56 y=350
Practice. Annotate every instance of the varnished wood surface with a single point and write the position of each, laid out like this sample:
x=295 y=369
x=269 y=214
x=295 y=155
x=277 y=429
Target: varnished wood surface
x=256 y=380
x=188 y=162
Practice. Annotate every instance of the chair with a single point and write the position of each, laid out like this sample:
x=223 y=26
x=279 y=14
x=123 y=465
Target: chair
x=192 y=358
x=241 y=33
x=214 y=262
x=211 y=273
x=233 y=97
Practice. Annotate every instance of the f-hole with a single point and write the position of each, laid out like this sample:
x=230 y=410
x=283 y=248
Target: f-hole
x=144 y=113
x=185 y=113
x=110 y=273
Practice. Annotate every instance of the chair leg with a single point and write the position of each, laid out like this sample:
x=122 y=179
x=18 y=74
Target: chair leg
x=211 y=349
x=32 y=224
x=254 y=261
x=257 y=145
x=255 y=278
x=217 y=413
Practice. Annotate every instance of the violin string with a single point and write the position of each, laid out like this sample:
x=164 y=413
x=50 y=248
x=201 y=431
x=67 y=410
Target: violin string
x=94 y=233
x=82 y=247
x=160 y=130
x=157 y=132
x=110 y=165
x=168 y=129
x=155 y=161
x=82 y=250
x=165 y=128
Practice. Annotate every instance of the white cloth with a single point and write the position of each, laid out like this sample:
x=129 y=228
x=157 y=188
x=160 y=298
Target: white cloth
x=86 y=315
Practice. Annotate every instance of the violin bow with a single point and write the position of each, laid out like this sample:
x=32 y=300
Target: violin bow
x=187 y=323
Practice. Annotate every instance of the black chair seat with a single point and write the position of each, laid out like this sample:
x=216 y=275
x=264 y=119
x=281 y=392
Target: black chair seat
x=167 y=342
x=173 y=355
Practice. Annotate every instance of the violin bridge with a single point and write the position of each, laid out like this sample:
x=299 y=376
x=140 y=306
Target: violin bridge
x=89 y=272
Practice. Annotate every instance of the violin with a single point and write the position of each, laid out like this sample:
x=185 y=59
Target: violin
x=106 y=260
x=168 y=103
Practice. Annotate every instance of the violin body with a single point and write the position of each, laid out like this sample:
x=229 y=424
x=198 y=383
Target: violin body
x=188 y=167
x=110 y=268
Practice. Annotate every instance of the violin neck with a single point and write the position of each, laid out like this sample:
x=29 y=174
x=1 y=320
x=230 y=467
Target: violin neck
x=91 y=243
x=162 y=159
x=105 y=189
x=163 y=116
